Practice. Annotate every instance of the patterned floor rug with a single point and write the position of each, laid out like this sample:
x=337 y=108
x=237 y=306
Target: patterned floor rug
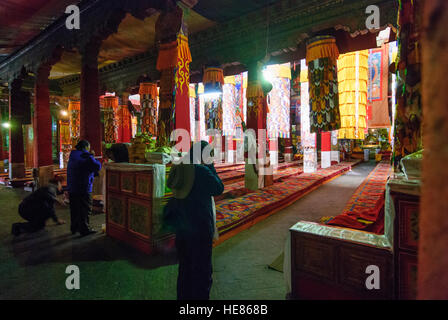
x=233 y=213
x=364 y=209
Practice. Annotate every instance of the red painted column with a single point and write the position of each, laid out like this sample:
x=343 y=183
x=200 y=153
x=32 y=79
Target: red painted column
x=42 y=120
x=90 y=116
x=325 y=149
x=183 y=97
x=17 y=106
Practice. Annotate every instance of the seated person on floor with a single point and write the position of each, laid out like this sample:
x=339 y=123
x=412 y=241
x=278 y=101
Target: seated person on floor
x=38 y=207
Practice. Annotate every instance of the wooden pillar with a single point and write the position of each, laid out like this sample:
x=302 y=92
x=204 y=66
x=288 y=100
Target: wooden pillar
x=18 y=101
x=433 y=241
x=42 y=126
x=90 y=115
x=42 y=120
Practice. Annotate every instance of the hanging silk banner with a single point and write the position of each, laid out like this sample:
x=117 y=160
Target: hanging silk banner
x=148 y=103
x=202 y=134
x=110 y=106
x=278 y=119
x=193 y=111
x=321 y=57
x=74 y=107
x=173 y=63
x=213 y=81
x=124 y=125
x=377 y=97
x=352 y=79
x=213 y=113
x=229 y=105
x=308 y=139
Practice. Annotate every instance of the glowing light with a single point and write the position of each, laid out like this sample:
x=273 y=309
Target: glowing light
x=267 y=74
x=211 y=95
x=6 y=124
x=135 y=99
x=64 y=113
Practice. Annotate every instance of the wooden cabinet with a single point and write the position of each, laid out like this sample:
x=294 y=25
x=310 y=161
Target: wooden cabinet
x=406 y=243
x=130 y=205
x=328 y=268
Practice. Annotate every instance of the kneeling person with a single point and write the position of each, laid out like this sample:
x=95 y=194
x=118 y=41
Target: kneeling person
x=38 y=207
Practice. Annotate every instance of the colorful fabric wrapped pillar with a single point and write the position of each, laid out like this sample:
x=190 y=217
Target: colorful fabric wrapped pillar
x=308 y=139
x=230 y=106
x=278 y=118
x=148 y=103
x=124 y=125
x=193 y=102
x=352 y=78
x=174 y=112
x=74 y=108
x=110 y=107
x=321 y=57
x=256 y=106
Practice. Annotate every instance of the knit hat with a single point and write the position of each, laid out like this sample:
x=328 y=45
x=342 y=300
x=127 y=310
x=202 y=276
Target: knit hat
x=180 y=180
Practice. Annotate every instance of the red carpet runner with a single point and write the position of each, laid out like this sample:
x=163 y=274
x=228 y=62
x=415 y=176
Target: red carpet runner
x=234 y=213
x=364 y=210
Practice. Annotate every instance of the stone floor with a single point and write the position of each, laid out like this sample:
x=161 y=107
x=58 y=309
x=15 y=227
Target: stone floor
x=33 y=266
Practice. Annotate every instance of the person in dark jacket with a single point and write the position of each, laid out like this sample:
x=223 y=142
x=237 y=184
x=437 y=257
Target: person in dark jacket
x=193 y=186
x=81 y=169
x=38 y=207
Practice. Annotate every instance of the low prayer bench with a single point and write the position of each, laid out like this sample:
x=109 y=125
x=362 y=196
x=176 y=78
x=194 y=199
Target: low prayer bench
x=329 y=262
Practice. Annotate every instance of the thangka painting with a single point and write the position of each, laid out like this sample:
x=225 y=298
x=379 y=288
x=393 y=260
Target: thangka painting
x=374 y=88
x=278 y=123
x=240 y=98
x=377 y=88
x=213 y=113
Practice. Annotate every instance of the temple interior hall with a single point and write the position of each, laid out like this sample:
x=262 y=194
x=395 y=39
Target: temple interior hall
x=223 y=149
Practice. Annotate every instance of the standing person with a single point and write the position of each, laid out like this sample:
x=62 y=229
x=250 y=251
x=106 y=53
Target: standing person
x=81 y=169
x=38 y=207
x=191 y=214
